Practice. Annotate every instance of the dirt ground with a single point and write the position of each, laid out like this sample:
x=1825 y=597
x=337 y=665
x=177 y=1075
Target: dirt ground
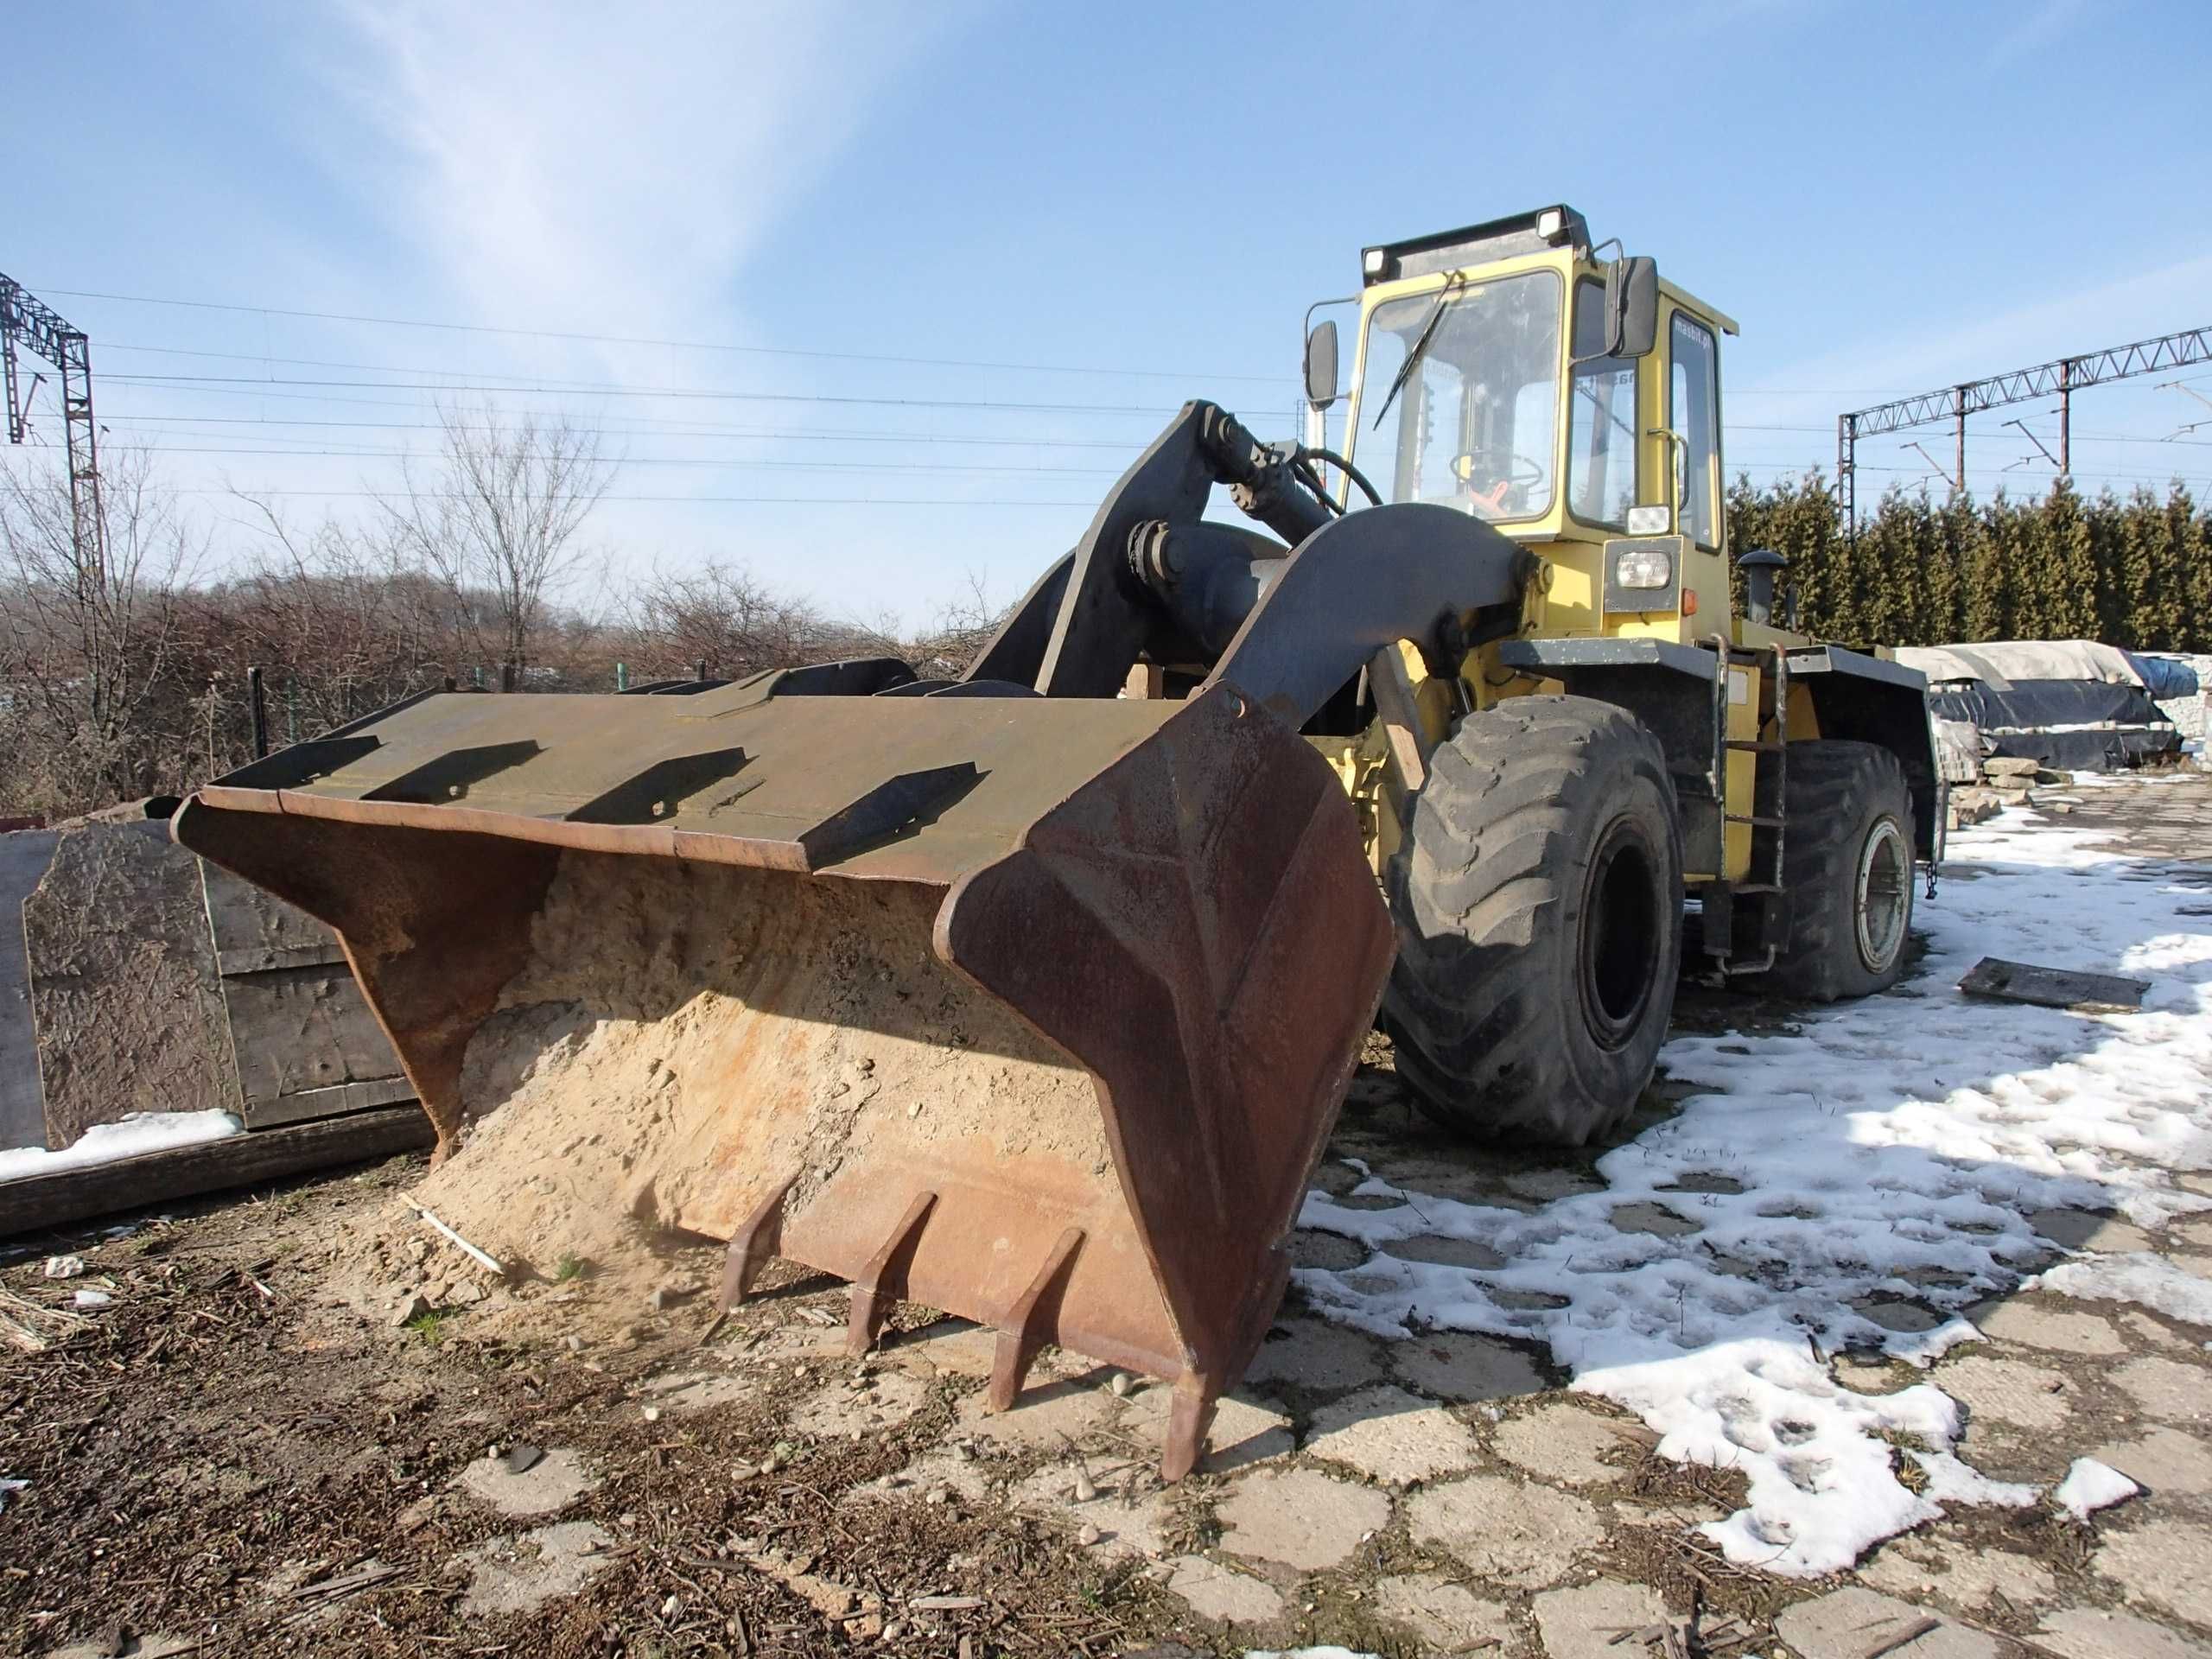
x=223 y=1459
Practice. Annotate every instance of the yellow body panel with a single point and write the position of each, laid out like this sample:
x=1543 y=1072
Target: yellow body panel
x=1565 y=601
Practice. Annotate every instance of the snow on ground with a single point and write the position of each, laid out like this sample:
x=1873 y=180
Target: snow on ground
x=105 y=1142
x=1853 y=1184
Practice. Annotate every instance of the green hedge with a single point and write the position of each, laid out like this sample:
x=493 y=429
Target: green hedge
x=2135 y=573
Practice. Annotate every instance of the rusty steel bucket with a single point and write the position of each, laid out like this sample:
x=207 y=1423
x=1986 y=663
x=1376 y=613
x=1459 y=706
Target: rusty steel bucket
x=1038 y=1011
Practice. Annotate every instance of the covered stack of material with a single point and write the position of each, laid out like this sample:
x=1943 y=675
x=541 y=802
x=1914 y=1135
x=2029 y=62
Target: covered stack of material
x=2072 y=704
x=2177 y=683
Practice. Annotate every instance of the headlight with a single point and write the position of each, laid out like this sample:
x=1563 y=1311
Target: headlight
x=1644 y=567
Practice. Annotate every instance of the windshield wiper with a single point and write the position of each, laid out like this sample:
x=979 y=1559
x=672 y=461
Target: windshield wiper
x=1413 y=356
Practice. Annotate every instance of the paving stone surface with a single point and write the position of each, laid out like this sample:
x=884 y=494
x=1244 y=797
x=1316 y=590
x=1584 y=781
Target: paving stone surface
x=1128 y=1521
x=1506 y=1528
x=1585 y=1622
x=1455 y=1366
x=839 y=1411
x=941 y=1468
x=2084 y=1230
x=1300 y=1517
x=2031 y=1325
x=2165 y=1563
x=2167 y=1391
x=2098 y=1633
x=521 y=1574
x=1310 y=1247
x=1441 y=1250
x=1075 y=1412
x=1223 y=1594
x=1563 y=1442
x=2151 y=1333
x=2164 y=1462
x=1316 y=1355
x=1446 y=1616
x=1645 y=1216
x=1969 y=1581
x=1851 y=1623
x=953 y=1348
x=1392 y=1436
x=554 y=1482
x=685 y=1391
x=2007 y=1391
x=1245 y=1430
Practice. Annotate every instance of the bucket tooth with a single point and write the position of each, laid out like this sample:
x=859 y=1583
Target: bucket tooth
x=1189 y=1414
x=755 y=1240
x=1027 y=1323
x=883 y=1280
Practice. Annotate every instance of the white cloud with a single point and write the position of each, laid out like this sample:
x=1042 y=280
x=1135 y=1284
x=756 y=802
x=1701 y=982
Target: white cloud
x=578 y=166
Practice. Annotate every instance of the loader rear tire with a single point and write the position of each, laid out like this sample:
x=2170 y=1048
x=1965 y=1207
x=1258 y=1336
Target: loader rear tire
x=1847 y=869
x=1538 y=899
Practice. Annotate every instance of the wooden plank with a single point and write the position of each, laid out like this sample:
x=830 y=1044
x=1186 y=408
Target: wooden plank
x=255 y=930
x=2053 y=988
x=23 y=858
x=33 y=1202
x=328 y=1103
x=1393 y=691
x=300 y=1031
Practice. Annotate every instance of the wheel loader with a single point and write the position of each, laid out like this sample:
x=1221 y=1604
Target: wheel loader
x=1032 y=995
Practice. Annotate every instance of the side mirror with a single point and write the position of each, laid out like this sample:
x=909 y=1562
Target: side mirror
x=1632 y=307
x=1321 y=365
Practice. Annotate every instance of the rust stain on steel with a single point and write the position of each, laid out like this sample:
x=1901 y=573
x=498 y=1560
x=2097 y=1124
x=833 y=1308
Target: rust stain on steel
x=1172 y=898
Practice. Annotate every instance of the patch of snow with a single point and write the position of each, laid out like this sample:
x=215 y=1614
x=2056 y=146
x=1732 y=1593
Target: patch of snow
x=105 y=1142
x=1308 y=1653
x=2090 y=1486
x=1889 y=1152
x=2138 y=1276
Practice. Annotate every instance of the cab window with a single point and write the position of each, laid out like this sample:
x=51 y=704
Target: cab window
x=1693 y=410
x=1601 y=421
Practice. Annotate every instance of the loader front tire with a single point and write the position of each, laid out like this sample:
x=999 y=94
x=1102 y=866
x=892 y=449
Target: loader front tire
x=1847 y=869
x=1538 y=899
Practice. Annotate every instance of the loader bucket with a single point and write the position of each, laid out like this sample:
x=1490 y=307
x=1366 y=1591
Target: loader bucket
x=1038 y=1011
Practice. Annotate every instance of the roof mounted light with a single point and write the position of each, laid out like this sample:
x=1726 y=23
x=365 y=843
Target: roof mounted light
x=1371 y=263
x=1551 y=224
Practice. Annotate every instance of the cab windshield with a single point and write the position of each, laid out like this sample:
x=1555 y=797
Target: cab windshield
x=1473 y=421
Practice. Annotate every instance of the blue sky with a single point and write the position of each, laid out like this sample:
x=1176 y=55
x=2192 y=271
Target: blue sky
x=1887 y=196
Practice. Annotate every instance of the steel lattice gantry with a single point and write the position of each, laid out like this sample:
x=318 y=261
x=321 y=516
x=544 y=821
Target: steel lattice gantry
x=2061 y=377
x=27 y=322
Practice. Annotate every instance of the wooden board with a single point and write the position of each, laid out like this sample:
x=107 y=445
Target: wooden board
x=303 y=1041
x=33 y=1202
x=23 y=858
x=2053 y=988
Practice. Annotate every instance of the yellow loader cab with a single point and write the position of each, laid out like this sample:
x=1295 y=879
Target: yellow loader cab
x=1571 y=403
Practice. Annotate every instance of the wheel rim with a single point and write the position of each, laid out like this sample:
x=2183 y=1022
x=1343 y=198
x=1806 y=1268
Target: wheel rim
x=1621 y=932
x=1882 y=896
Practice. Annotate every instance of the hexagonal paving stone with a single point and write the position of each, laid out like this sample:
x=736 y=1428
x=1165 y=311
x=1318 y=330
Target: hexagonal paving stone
x=2034 y=1326
x=1506 y=1528
x=1245 y=1431
x=1446 y=1616
x=1075 y=1412
x=1333 y=1252
x=1300 y=1517
x=839 y=1411
x=1128 y=1521
x=2007 y=1391
x=1390 y=1435
x=1585 y=1622
x=555 y=1481
x=1223 y=1594
x=2085 y=1230
x=1441 y=1250
x=519 y=1575
x=2097 y=1633
x=2167 y=1390
x=1561 y=1442
x=2163 y=1564
x=2162 y=1461
x=1851 y=1623
x=1455 y=1366
x=1965 y=1579
x=1315 y=1354
x=1645 y=1216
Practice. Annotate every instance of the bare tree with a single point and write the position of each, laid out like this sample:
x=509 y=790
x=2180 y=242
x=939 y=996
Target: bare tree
x=91 y=639
x=496 y=520
x=961 y=628
x=725 y=617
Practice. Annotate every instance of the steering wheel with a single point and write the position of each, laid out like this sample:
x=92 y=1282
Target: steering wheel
x=1520 y=472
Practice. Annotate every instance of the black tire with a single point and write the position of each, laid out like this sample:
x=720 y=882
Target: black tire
x=1539 y=908
x=1846 y=869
